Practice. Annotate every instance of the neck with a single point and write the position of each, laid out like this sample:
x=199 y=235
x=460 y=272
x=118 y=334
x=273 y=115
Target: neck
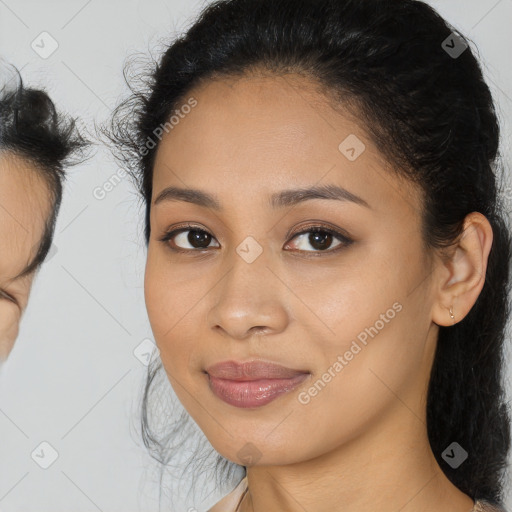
x=390 y=467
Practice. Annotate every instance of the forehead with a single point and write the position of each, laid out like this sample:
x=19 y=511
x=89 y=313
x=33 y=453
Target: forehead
x=257 y=135
x=24 y=209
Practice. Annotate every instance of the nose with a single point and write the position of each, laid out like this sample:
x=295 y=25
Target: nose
x=249 y=300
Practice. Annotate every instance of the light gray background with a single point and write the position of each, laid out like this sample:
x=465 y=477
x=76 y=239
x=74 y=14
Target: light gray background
x=72 y=379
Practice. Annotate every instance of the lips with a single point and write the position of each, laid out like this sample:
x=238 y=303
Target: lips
x=252 y=384
x=251 y=370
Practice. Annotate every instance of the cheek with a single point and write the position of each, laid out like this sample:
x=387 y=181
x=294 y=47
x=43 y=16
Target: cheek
x=374 y=345
x=159 y=294
x=380 y=352
x=9 y=328
x=168 y=319
x=171 y=296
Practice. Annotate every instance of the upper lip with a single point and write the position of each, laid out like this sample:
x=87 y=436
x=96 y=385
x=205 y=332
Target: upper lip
x=251 y=370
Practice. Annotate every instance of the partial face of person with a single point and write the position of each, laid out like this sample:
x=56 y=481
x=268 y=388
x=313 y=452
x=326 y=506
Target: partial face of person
x=24 y=209
x=333 y=284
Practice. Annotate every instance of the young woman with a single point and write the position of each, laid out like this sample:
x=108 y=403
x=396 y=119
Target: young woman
x=35 y=145
x=328 y=258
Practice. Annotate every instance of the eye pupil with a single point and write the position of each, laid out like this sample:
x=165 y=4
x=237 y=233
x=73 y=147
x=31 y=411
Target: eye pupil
x=200 y=237
x=325 y=239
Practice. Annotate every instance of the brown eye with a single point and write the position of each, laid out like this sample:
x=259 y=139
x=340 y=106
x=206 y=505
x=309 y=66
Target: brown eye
x=198 y=239
x=321 y=238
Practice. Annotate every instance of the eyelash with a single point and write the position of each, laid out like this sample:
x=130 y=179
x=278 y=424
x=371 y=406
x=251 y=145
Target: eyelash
x=315 y=228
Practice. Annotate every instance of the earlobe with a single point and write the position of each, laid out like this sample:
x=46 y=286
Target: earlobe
x=466 y=269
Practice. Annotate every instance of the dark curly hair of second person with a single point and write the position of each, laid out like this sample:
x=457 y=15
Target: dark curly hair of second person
x=37 y=144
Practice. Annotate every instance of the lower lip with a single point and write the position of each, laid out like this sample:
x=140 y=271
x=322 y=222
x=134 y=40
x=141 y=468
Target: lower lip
x=254 y=393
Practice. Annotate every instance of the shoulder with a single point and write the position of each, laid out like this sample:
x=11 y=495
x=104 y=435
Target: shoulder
x=486 y=506
x=230 y=502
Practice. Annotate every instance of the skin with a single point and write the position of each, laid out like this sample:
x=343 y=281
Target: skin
x=361 y=443
x=24 y=207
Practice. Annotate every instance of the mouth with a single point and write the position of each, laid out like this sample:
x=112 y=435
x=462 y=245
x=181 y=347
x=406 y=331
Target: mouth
x=253 y=383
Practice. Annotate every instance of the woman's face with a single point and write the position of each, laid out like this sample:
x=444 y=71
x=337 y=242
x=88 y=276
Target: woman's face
x=354 y=315
x=24 y=208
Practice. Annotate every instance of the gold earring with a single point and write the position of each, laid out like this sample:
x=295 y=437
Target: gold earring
x=452 y=315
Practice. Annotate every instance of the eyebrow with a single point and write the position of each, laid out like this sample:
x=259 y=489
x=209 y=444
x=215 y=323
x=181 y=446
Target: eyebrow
x=285 y=198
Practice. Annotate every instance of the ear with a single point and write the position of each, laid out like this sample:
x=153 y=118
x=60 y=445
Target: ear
x=462 y=275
